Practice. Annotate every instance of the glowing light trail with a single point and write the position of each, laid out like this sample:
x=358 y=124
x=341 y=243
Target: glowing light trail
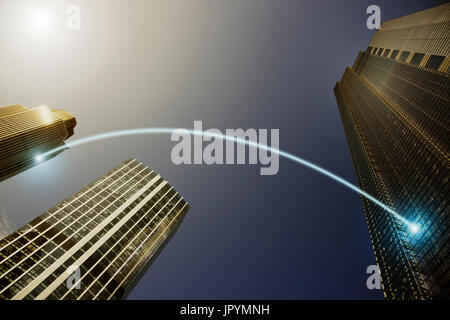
x=140 y=131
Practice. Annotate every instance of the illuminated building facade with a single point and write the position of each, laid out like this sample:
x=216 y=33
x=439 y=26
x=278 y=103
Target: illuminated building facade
x=96 y=243
x=394 y=104
x=25 y=133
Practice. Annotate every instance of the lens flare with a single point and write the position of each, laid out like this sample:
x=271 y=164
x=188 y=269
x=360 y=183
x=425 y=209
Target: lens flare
x=414 y=228
x=40 y=21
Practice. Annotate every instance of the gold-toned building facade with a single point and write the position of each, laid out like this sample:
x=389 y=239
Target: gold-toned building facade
x=26 y=133
x=95 y=244
x=395 y=106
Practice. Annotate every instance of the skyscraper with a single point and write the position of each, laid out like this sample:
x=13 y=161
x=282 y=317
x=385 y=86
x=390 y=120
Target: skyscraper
x=96 y=243
x=25 y=133
x=394 y=104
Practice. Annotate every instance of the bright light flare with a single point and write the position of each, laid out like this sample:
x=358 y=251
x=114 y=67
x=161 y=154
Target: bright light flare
x=414 y=228
x=46 y=114
x=39 y=158
x=40 y=21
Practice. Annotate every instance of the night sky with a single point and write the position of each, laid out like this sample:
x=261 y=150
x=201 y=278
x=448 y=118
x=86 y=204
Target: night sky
x=231 y=64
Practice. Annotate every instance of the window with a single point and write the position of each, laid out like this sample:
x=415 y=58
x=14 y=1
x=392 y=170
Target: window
x=404 y=56
x=394 y=54
x=434 y=62
x=386 y=52
x=417 y=58
x=380 y=51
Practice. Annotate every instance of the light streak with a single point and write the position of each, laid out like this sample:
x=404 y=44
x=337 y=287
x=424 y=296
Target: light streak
x=141 y=131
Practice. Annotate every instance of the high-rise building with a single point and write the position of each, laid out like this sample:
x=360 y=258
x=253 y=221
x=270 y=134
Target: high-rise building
x=25 y=133
x=394 y=104
x=96 y=243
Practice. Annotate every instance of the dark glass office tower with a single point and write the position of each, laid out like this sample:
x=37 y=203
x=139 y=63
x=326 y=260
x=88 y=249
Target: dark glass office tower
x=394 y=104
x=96 y=243
x=26 y=133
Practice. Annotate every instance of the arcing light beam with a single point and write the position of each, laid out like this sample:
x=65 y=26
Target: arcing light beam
x=140 y=131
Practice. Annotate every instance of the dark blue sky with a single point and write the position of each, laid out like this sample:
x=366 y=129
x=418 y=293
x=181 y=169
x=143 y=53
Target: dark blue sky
x=231 y=64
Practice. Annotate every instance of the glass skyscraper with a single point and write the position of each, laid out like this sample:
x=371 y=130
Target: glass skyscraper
x=395 y=107
x=26 y=133
x=96 y=243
